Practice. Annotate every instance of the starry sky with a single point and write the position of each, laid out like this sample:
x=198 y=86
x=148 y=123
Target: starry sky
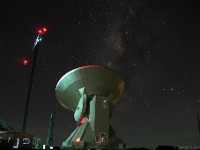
x=153 y=44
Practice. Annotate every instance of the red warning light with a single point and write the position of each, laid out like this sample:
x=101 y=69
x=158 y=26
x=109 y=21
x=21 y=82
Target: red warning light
x=45 y=29
x=25 y=62
x=42 y=30
x=39 y=31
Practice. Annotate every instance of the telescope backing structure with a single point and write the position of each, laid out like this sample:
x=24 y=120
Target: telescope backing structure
x=91 y=92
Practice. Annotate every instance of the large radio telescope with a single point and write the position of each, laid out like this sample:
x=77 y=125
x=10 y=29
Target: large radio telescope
x=91 y=92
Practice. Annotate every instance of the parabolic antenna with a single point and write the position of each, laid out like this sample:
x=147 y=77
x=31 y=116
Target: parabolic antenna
x=97 y=80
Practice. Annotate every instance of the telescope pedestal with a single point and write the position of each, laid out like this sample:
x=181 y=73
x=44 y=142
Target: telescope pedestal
x=94 y=129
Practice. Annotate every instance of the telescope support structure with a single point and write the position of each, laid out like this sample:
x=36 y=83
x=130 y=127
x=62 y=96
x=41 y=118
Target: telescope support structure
x=91 y=93
x=94 y=129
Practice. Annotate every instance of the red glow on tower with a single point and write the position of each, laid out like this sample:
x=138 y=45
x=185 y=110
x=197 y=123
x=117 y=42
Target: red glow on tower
x=45 y=29
x=25 y=62
x=42 y=30
x=39 y=31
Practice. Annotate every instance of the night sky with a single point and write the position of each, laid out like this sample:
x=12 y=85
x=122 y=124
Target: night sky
x=154 y=45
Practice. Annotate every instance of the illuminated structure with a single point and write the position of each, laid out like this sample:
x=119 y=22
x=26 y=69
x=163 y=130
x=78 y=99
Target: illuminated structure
x=25 y=62
x=4 y=126
x=91 y=92
x=9 y=138
x=49 y=141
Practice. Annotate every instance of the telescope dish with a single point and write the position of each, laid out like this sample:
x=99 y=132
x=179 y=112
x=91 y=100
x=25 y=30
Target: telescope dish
x=97 y=80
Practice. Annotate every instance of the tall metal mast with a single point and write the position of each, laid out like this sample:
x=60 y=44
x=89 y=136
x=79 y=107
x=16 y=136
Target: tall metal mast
x=35 y=51
x=49 y=141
